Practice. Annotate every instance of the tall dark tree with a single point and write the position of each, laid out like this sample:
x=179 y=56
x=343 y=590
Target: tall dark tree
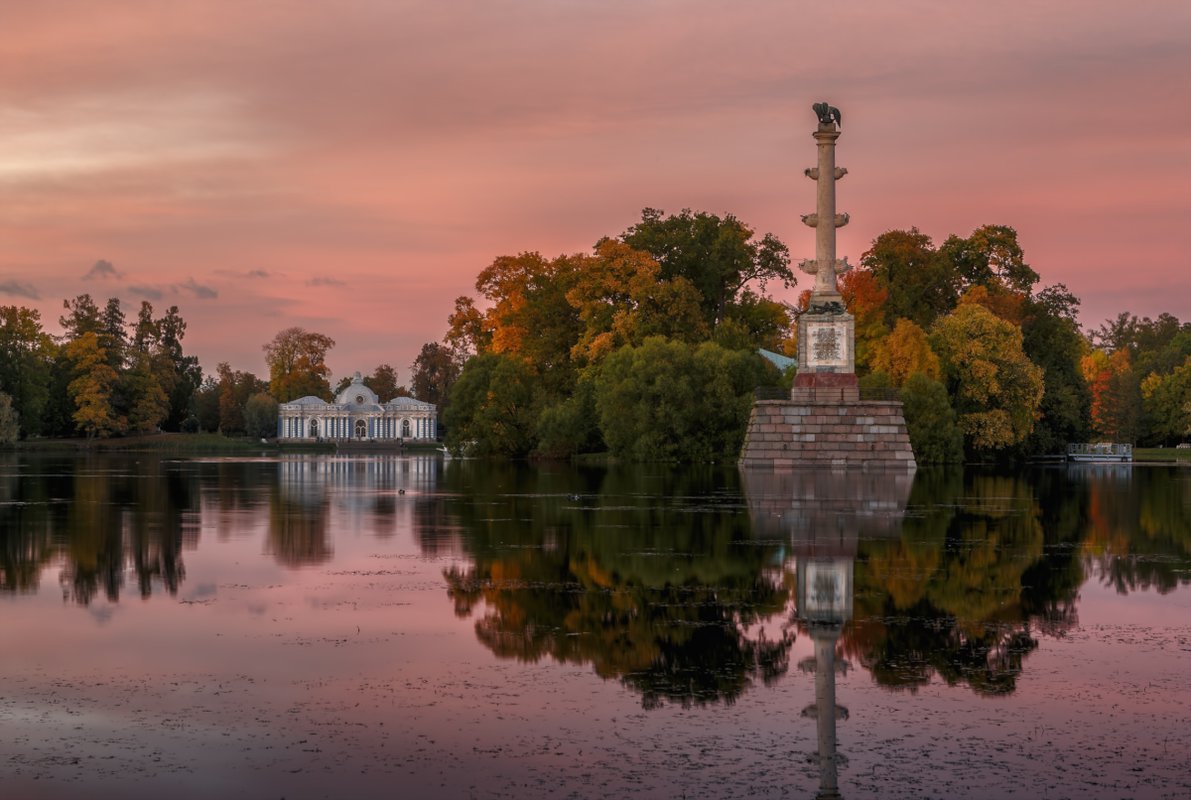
x=26 y=357
x=433 y=373
x=1051 y=339
x=383 y=381
x=82 y=317
x=235 y=388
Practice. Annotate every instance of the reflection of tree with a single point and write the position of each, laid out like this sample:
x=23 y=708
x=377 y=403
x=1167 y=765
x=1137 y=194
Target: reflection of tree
x=25 y=542
x=100 y=515
x=1139 y=527
x=666 y=597
x=951 y=596
x=298 y=530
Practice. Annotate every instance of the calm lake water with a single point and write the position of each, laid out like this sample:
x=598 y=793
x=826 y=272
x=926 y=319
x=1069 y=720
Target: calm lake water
x=383 y=626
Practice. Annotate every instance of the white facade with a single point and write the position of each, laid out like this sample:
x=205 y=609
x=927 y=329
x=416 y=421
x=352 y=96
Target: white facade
x=357 y=414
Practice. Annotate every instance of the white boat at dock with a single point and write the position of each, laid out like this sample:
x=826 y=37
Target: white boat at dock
x=1100 y=452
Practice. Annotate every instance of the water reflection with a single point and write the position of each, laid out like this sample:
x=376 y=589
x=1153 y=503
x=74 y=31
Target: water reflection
x=647 y=577
x=824 y=514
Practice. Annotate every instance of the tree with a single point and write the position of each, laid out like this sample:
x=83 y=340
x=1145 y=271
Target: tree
x=297 y=364
x=990 y=257
x=235 y=387
x=865 y=299
x=26 y=358
x=82 y=317
x=383 y=381
x=670 y=401
x=493 y=407
x=921 y=286
x=995 y=389
x=149 y=403
x=530 y=317
x=433 y=373
x=186 y=374
x=10 y=420
x=1167 y=403
x=206 y=404
x=930 y=421
x=466 y=335
x=621 y=298
x=571 y=426
x=904 y=353
x=1116 y=395
x=260 y=416
x=717 y=255
x=112 y=336
x=92 y=387
x=1051 y=339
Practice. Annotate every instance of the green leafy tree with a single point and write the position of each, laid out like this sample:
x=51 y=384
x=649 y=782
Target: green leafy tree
x=149 y=403
x=990 y=257
x=493 y=407
x=669 y=401
x=718 y=255
x=82 y=317
x=26 y=359
x=113 y=337
x=571 y=426
x=206 y=404
x=297 y=364
x=930 y=421
x=921 y=285
x=183 y=375
x=1051 y=339
x=260 y=416
x=1167 y=403
x=995 y=389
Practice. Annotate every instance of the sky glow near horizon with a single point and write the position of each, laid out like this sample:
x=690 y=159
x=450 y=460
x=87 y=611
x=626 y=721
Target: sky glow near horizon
x=351 y=167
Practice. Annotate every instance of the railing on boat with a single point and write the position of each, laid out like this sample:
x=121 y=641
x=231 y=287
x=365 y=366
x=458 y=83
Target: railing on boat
x=1100 y=451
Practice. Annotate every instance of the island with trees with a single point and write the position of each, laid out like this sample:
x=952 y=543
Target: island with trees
x=648 y=348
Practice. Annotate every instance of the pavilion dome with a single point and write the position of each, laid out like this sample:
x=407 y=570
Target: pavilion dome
x=357 y=396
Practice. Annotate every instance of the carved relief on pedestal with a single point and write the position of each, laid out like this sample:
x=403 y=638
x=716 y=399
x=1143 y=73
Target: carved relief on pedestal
x=827 y=345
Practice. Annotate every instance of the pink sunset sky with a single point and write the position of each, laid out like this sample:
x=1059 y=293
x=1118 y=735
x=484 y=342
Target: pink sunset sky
x=349 y=167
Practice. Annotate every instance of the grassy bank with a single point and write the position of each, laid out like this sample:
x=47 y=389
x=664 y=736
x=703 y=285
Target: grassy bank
x=1166 y=455
x=173 y=443
x=215 y=444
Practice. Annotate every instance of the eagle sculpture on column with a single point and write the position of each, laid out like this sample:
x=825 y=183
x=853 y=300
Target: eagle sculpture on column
x=828 y=114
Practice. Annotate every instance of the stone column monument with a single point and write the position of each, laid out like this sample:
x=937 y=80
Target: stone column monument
x=826 y=332
x=825 y=421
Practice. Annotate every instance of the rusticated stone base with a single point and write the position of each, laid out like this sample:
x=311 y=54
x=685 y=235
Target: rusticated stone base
x=798 y=433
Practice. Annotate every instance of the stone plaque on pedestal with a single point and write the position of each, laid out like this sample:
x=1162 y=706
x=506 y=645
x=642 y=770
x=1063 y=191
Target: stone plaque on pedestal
x=825 y=343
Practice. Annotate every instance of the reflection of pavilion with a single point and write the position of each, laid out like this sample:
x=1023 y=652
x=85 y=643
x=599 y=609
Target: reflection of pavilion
x=356 y=478
x=824 y=514
x=358 y=487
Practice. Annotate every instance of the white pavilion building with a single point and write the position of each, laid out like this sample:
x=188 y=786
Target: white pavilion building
x=358 y=414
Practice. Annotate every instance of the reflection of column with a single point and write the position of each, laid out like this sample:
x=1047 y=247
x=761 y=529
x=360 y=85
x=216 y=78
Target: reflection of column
x=825 y=605
x=823 y=515
x=825 y=709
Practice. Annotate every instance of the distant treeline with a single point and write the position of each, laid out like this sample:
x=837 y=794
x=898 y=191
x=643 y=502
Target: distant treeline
x=647 y=348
